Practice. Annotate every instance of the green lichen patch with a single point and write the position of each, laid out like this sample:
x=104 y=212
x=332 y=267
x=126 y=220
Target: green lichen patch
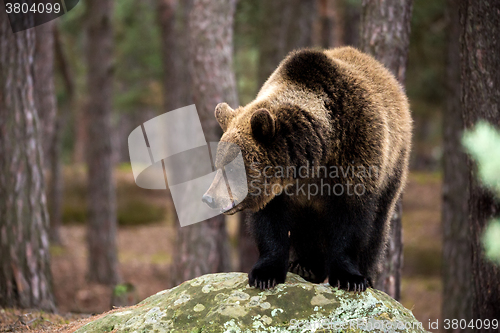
x=226 y=303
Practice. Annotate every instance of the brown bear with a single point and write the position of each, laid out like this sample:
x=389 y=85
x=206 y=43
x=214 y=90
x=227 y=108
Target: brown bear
x=325 y=145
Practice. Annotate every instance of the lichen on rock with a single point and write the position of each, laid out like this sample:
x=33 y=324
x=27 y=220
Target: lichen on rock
x=226 y=303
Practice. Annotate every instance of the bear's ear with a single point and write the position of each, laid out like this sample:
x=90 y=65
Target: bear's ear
x=224 y=114
x=263 y=125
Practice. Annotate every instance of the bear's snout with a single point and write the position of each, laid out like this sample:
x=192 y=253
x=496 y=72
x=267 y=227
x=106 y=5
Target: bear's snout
x=217 y=197
x=209 y=201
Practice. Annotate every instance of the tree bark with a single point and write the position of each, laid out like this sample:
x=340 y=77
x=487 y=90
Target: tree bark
x=349 y=25
x=480 y=65
x=285 y=25
x=172 y=18
x=81 y=132
x=457 y=254
x=45 y=97
x=55 y=187
x=211 y=60
x=203 y=247
x=101 y=236
x=328 y=32
x=177 y=92
x=385 y=34
x=25 y=276
x=63 y=65
x=166 y=19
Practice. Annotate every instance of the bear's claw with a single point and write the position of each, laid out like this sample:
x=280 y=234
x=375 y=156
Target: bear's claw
x=265 y=276
x=356 y=283
x=262 y=285
x=297 y=268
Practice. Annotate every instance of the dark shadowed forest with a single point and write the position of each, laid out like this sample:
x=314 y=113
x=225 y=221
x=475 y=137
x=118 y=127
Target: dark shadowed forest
x=79 y=237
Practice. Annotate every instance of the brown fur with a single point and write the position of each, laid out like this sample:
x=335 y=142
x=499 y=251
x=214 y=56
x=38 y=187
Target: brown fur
x=376 y=110
x=336 y=107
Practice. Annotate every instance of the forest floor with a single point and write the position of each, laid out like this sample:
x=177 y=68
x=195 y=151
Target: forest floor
x=145 y=255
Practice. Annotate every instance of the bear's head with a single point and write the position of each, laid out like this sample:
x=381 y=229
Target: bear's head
x=251 y=130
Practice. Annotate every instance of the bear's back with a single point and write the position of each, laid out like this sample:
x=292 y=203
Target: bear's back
x=345 y=86
x=387 y=97
x=378 y=80
x=365 y=66
x=315 y=70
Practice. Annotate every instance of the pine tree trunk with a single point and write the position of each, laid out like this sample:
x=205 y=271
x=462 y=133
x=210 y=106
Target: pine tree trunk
x=328 y=32
x=81 y=132
x=25 y=277
x=285 y=25
x=56 y=185
x=385 y=34
x=173 y=22
x=273 y=33
x=480 y=64
x=166 y=20
x=172 y=18
x=211 y=60
x=101 y=237
x=349 y=22
x=203 y=247
x=456 y=239
x=45 y=97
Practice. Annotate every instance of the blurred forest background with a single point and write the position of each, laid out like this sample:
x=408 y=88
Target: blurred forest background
x=106 y=67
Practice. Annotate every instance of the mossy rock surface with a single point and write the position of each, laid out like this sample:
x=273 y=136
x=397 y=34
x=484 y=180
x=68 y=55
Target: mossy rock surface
x=226 y=303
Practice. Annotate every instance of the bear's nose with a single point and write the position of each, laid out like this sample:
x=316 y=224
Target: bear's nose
x=208 y=200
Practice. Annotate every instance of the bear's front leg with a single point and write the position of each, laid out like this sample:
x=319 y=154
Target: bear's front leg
x=270 y=229
x=344 y=275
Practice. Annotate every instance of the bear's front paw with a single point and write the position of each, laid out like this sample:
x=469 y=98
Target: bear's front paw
x=266 y=275
x=349 y=282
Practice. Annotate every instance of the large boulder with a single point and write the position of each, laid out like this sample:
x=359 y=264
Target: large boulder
x=226 y=303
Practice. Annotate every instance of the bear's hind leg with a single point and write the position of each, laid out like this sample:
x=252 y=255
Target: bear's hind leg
x=312 y=273
x=374 y=252
x=348 y=236
x=344 y=274
x=307 y=257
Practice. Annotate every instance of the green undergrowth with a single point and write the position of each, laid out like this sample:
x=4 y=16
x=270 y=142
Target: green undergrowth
x=135 y=205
